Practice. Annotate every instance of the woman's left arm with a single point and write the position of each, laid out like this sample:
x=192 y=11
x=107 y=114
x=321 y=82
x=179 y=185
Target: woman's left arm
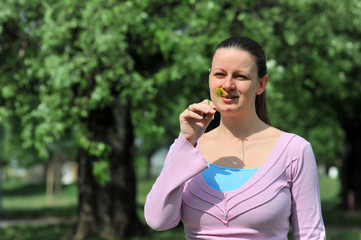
x=306 y=216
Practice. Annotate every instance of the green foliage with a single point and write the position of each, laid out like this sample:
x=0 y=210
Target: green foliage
x=101 y=171
x=10 y=149
x=313 y=63
x=62 y=59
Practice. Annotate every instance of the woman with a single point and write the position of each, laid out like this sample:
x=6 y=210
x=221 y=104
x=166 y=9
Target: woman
x=244 y=179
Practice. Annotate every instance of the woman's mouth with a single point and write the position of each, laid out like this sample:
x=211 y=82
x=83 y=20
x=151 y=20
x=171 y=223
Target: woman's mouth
x=229 y=98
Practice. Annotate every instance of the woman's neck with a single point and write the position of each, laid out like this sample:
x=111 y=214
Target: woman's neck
x=240 y=127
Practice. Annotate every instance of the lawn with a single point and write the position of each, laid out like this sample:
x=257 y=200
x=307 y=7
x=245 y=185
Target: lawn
x=28 y=201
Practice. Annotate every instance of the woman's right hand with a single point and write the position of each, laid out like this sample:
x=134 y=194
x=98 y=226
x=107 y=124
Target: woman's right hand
x=195 y=119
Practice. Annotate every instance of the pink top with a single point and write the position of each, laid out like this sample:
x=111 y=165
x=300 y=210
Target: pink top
x=284 y=188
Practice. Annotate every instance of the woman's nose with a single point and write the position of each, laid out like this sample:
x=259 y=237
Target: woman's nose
x=228 y=83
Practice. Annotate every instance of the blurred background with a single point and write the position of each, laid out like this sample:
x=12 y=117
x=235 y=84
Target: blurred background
x=91 y=92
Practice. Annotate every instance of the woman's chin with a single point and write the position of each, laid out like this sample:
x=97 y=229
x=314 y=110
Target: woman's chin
x=228 y=109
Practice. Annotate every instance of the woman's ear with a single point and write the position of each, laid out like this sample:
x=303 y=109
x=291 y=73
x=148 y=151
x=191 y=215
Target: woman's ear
x=262 y=84
x=209 y=70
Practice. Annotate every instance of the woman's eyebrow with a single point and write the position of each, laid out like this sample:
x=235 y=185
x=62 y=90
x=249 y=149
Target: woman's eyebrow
x=242 y=73
x=219 y=69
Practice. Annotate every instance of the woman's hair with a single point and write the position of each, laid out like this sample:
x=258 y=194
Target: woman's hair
x=253 y=48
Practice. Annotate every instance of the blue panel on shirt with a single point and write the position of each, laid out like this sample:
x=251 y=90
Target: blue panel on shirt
x=227 y=179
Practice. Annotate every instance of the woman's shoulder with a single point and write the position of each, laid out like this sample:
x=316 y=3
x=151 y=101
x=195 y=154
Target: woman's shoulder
x=272 y=132
x=208 y=137
x=296 y=143
x=296 y=139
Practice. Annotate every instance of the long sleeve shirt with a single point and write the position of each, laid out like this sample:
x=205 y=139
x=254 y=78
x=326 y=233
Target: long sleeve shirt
x=283 y=192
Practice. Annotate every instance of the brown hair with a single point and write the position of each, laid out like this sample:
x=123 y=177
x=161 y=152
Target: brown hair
x=253 y=48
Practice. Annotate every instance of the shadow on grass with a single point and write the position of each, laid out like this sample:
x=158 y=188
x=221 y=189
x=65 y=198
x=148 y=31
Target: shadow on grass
x=28 y=190
x=55 y=232
x=13 y=214
x=174 y=233
x=334 y=215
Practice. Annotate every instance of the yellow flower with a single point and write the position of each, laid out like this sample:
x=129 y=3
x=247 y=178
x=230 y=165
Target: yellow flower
x=220 y=92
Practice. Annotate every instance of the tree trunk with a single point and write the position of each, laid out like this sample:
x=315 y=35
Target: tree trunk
x=53 y=177
x=350 y=172
x=1 y=186
x=58 y=171
x=109 y=210
x=50 y=181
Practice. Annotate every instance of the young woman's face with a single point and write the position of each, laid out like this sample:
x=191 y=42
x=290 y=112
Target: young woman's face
x=235 y=72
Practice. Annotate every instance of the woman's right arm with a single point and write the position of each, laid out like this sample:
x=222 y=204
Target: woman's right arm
x=163 y=205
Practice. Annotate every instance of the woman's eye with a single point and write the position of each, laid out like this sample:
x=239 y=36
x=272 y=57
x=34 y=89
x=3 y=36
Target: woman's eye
x=219 y=74
x=240 y=77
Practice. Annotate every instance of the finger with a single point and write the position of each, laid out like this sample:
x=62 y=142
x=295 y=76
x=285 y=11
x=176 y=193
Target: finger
x=202 y=108
x=208 y=104
x=211 y=104
x=209 y=117
x=208 y=101
x=187 y=114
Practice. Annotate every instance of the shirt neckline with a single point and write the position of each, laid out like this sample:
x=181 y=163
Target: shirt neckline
x=232 y=169
x=269 y=162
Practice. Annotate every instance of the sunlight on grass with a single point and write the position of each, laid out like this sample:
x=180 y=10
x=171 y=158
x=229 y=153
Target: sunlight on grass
x=35 y=197
x=329 y=188
x=30 y=201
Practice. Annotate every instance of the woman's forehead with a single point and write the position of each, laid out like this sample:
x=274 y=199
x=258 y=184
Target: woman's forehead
x=232 y=58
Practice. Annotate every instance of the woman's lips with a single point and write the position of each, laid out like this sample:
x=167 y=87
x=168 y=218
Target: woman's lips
x=229 y=98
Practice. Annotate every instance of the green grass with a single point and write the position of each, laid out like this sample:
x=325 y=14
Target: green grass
x=51 y=232
x=28 y=201
x=332 y=215
x=329 y=189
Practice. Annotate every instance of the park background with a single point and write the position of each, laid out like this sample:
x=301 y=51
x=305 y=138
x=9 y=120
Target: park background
x=92 y=90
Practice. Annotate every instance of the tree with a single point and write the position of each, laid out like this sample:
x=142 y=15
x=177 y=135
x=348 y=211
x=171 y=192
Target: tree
x=319 y=56
x=105 y=72
x=91 y=70
x=84 y=69
x=69 y=66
